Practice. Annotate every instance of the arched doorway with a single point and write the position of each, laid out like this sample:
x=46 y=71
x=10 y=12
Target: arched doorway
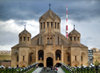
x=40 y=65
x=58 y=65
x=49 y=62
x=58 y=55
x=40 y=55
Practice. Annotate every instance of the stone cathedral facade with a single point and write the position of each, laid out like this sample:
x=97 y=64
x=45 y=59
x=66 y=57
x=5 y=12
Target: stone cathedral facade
x=49 y=47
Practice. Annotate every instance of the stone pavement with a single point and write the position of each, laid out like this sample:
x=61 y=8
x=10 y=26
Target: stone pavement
x=60 y=70
x=38 y=70
x=47 y=70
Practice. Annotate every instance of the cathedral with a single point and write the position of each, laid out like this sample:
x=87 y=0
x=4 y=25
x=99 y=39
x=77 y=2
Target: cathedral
x=49 y=47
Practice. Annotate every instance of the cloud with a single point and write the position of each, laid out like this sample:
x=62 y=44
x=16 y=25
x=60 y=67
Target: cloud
x=11 y=28
x=85 y=14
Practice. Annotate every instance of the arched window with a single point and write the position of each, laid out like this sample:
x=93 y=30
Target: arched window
x=38 y=41
x=51 y=24
x=58 y=26
x=49 y=40
x=71 y=38
x=40 y=54
x=74 y=38
x=55 y=24
x=28 y=38
x=75 y=58
x=24 y=38
x=47 y=24
x=58 y=54
x=41 y=25
x=44 y=24
x=82 y=56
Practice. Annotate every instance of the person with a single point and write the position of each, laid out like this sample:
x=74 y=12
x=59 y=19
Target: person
x=56 y=69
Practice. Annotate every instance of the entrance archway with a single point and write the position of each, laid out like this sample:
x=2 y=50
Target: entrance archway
x=58 y=65
x=40 y=65
x=49 y=62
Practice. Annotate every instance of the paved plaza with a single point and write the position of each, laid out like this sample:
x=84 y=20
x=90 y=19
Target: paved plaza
x=48 y=70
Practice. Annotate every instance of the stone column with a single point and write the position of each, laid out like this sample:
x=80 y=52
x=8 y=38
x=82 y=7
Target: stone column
x=62 y=54
x=36 y=55
x=44 y=59
x=54 y=60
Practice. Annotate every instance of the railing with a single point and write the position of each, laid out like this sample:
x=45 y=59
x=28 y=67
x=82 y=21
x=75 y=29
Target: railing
x=82 y=69
x=17 y=70
x=94 y=69
x=66 y=67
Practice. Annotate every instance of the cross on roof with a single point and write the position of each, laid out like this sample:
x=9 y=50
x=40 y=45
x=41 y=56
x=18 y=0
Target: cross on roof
x=49 y=6
x=74 y=26
x=25 y=27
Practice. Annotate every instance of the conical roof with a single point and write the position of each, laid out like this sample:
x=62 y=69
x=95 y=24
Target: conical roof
x=74 y=32
x=49 y=14
x=24 y=32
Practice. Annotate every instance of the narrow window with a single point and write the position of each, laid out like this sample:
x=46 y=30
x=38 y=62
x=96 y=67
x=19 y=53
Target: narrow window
x=68 y=58
x=47 y=24
x=51 y=24
x=81 y=58
x=38 y=41
x=71 y=38
x=55 y=24
x=51 y=40
x=75 y=58
x=23 y=58
x=41 y=25
x=24 y=38
x=74 y=38
x=58 y=26
x=47 y=40
x=17 y=58
x=44 y=24
x=28 y=38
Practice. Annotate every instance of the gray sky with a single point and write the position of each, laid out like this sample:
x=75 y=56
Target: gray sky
x=85 y=14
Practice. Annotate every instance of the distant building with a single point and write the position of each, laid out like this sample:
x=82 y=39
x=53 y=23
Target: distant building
x=5 y=58
x=49 y=47
x=4 y=52
x=90 y=56
x=96 y=55
x=5 y=63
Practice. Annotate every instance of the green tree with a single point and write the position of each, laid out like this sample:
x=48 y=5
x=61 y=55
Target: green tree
x=96 y=63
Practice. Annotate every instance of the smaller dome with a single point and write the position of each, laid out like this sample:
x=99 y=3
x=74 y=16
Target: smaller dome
x=24 y=32
x=49 y=14
x=74 y=32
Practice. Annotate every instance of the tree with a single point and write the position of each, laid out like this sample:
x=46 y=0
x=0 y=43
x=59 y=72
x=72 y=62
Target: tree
x=96 y=63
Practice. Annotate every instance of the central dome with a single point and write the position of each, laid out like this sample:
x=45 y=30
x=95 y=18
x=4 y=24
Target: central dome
x=49 y=14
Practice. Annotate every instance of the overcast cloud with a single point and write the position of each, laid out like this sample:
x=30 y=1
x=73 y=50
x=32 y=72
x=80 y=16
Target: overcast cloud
x=85 y=14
